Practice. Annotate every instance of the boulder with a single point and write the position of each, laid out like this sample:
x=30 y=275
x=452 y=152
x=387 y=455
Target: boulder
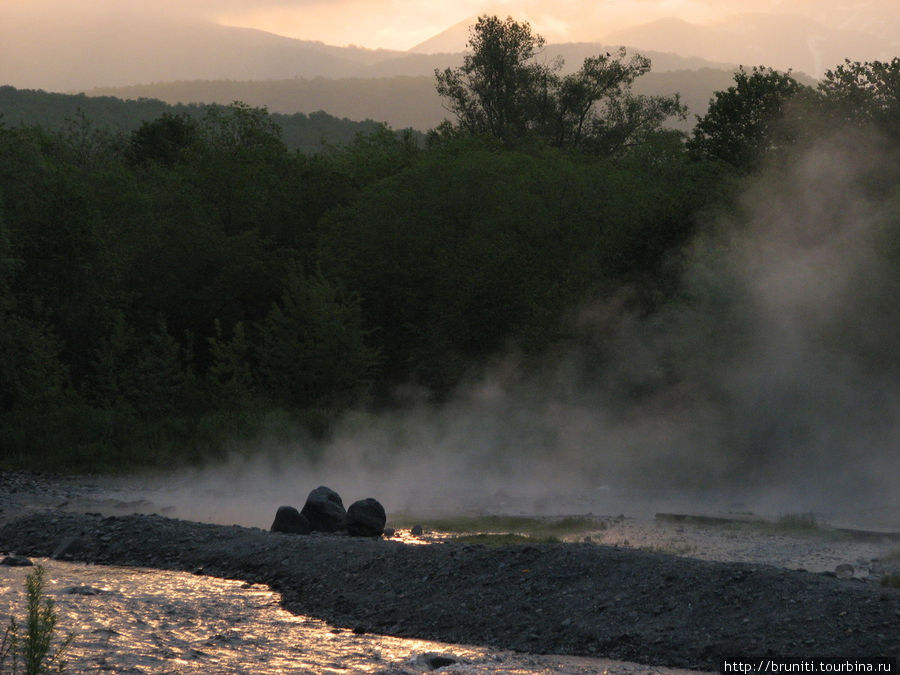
x=16 y=561
x=289 y=520
x=844 y=571
x=366 y=518
x=324 y=510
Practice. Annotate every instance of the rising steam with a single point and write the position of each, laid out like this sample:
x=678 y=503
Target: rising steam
x=773 y=384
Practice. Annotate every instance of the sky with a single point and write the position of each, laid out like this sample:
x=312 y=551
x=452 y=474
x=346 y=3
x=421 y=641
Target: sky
x=399 y=24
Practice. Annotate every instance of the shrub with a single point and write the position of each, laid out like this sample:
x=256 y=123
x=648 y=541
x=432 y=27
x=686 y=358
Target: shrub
x=35 y=648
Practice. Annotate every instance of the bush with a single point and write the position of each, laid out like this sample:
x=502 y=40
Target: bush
x=35 y=648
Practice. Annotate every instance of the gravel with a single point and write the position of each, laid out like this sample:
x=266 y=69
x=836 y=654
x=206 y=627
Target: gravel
x=581 y=599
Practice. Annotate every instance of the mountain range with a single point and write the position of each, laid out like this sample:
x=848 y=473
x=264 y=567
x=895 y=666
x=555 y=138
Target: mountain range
x=192 y=58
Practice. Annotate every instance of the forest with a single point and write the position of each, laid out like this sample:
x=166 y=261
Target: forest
x=167 y=289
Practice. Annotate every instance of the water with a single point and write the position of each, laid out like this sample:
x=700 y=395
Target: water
x=135 y=620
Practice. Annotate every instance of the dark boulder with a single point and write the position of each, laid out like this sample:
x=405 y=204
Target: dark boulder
x=289 y=520
x=16 y=561
x=366 y=518
x=324 y=510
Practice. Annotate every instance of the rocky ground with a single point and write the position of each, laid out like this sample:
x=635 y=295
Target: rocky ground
x=615 y=601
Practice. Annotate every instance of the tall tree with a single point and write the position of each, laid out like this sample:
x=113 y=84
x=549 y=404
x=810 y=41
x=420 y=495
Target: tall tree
x=865 y=93
x=503 y=91
x=745 y=121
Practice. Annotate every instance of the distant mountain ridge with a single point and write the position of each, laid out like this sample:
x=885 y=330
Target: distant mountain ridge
x=401 y=101
x=78 y=50
x=803 y=35
x=155 y=51
x=783 y=41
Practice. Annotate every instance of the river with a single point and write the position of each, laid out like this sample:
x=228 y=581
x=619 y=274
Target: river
x=138 y=620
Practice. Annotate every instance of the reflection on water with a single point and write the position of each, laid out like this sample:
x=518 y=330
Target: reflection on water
x=132 y=620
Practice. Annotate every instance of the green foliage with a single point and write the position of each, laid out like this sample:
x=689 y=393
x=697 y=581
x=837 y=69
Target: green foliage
x=861 y=94
x=34 y=649
x=305 y=133
x=890 y=581
x=745 y=122
x=502 y=91
x=313 y=351
x=472 y=248
x=164 y=140
x=152 y=298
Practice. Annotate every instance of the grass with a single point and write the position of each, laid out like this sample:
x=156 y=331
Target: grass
x=35 y=648
x=892 y=555
x=673 y=548
x=793 y=522
x=891 y=580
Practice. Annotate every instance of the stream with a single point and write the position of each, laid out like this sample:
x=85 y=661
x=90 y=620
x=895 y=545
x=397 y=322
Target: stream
x=138 y=620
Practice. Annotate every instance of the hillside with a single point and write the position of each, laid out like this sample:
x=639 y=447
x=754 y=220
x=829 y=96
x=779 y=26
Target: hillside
x=299 y=131
x=400 y=101
x=780 y=41
x=123 y=49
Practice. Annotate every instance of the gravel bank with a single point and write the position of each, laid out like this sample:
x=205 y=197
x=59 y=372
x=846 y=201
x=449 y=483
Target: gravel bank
x=582 y=599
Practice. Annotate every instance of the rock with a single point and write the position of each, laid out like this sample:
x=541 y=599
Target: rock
x=68 y=548
x=289 y=520
x=433 y=660
x=324 y=510
x=16 y=561
x=389 y=532
x=417 y=531
x=844 y=571
x=366 y=518
x=84 y=590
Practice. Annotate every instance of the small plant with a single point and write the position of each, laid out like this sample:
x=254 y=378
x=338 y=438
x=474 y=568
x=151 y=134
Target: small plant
x=34 y=649
x=7 y=646
x=797 y=521
x=891 y=580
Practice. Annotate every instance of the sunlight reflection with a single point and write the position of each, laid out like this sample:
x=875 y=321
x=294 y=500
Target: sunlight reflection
x=134 y=620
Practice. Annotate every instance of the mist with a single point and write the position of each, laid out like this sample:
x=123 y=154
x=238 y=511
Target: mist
x=771 y=385
x=99 y=43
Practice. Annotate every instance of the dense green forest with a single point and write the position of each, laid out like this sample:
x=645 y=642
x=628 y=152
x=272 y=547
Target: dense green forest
x=195 y=279
x=307 y=133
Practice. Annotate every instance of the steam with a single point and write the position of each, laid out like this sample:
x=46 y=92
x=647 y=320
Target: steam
x=773 y=385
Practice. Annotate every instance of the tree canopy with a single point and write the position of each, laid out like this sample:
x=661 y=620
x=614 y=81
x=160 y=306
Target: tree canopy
x=191 y=280
x=503 y=90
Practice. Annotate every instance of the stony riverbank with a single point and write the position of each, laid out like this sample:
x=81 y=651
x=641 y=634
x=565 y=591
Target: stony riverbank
x=585 y=599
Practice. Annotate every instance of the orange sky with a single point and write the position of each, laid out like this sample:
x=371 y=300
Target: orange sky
x=400 y=24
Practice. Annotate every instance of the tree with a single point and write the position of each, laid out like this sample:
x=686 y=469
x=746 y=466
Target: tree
x=164 y=140
x=502 y=91
x=493 y=90
x=745 y=122
x=313 y=351
x=864 y=93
